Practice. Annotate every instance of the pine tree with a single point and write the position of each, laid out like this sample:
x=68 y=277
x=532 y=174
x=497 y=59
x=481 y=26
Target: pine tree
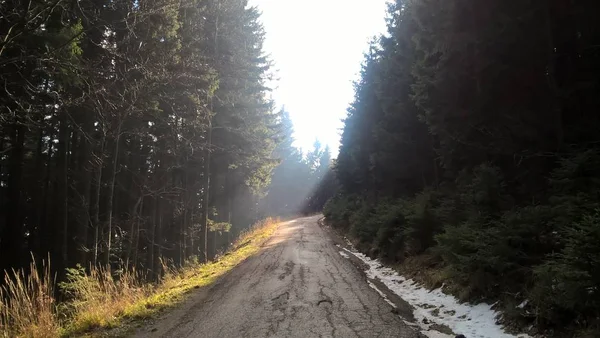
x=470 y=140
x=104 y=150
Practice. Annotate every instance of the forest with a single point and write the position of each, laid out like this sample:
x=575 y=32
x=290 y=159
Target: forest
x=136 y=133
x=472 y=145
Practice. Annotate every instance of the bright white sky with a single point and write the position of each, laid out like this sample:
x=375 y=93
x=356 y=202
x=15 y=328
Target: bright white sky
x=317 y=47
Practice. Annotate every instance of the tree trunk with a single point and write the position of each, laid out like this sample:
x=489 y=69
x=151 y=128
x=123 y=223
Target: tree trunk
x=111 y=194
x=39 y=196
x=12 y=236
x=44 y=215
x=152 y=245
x=157 y=240
x=132 y=230
x=206 y=195
x=555 y=101
x=229 y=206
x=97 y=194
x=85 y=189
x=136 y=238
x=63 y=188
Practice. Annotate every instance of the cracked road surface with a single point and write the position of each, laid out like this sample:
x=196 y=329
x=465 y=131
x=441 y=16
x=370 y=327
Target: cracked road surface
x=297 y=286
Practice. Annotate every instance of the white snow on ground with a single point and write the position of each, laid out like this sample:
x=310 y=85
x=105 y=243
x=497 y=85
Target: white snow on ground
x=436 y=334
x=345 y=255
x=435 y=307
x=381 y=293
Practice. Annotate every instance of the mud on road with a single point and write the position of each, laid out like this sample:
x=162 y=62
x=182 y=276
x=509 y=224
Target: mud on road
x=297 y=286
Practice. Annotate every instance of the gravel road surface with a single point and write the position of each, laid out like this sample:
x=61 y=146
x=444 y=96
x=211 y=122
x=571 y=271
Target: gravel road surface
x=297 y=286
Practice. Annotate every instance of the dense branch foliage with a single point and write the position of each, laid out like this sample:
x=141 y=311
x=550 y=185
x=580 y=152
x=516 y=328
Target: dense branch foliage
x=473 y=138
x=130 y=131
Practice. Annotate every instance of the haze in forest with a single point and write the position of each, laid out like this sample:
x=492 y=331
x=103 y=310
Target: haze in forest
x=317 y=48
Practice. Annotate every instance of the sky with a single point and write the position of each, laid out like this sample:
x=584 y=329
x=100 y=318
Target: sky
x=317 y=47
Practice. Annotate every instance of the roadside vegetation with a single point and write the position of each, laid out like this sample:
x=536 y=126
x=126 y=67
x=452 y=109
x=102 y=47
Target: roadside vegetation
x=471 y=155
x=98 y=299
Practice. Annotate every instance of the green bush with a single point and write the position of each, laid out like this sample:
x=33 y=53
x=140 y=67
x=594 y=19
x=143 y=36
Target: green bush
x=422 y=222
x=470 y=251
x=492 y=255
x=339 y=209
x=568 y=284
x=478 y=249
x=528 y=234
x=390 y=222
x=546 y=251
x=363 y=226
x=483 y=191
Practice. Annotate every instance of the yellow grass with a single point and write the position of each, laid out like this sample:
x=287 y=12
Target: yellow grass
x=101 y=301
x=98 y=299
x=176 y=283
x=27 y=306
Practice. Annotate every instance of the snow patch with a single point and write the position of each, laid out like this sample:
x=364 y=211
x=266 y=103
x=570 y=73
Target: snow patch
x=343 y=254
x=435 y=307
x=436 y=334
x=410 y=323
x=381 y=294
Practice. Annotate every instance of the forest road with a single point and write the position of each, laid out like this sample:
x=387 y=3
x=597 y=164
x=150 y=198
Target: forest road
x=297 y=286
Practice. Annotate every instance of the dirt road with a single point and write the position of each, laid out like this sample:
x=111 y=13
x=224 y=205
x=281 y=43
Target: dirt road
x=298 y=286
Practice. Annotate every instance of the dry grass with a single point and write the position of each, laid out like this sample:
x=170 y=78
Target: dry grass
x=101 y=300
x=429 y=270
x=27 y=306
